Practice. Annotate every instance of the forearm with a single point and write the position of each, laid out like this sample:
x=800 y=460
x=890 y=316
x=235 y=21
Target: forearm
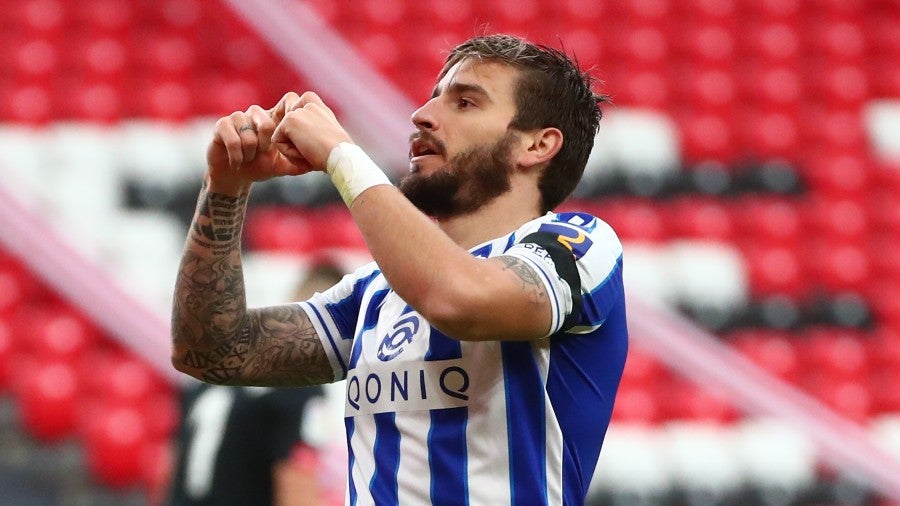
x=423 y=265
x=209 y=314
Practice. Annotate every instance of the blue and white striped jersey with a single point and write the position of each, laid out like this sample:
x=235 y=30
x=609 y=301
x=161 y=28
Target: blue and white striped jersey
x=434 y=420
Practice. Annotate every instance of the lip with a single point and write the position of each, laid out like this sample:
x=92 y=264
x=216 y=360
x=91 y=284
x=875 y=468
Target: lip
x=420 y=158
x=420 y=148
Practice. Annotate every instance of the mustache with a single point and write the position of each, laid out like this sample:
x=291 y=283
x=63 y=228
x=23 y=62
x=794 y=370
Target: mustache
x=427 y=137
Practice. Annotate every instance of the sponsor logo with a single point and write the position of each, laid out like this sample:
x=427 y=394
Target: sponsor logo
x=433 y=385
x=402 y=334
x=575 y=240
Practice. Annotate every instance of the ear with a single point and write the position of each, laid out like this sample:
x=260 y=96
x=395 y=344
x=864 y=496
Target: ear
x=539 y=146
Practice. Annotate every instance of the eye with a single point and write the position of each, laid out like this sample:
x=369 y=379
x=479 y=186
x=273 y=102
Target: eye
x=464 y=103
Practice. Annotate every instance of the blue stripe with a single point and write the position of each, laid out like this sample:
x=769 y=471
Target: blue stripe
x=483 y=251
x=370 y=319
x=597 y=304
x=351 y=459
x=383 y=485
x=582 y=379
x=442 y=347
x=447 y=457
x=510 y=241
x=345 y=311
x=334 y=347
x=525 y=425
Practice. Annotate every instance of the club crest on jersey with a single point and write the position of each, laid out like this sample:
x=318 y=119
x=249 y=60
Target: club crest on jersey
x=402 y=333
x=573 y=239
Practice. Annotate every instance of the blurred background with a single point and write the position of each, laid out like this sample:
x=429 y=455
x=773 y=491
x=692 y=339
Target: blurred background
x=750 y=164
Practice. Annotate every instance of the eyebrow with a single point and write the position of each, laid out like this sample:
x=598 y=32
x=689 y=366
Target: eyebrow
x=462 y=88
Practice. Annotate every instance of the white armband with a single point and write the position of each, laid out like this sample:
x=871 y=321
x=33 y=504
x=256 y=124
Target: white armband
x=352 y=171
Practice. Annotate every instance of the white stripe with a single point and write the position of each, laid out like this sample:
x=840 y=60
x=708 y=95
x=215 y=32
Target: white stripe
x=487 y=435
x=327 y=335
x=362 y=443
x=414 y=473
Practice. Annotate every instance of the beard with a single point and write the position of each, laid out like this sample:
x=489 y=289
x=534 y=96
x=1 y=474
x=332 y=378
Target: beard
x=467 y=182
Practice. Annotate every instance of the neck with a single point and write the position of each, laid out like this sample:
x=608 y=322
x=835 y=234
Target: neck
x=497 y=218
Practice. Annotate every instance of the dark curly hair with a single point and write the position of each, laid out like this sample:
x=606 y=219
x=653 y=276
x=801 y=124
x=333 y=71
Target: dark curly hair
x=552 y=91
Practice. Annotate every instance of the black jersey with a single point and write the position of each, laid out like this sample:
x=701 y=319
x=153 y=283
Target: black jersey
x=229 y=440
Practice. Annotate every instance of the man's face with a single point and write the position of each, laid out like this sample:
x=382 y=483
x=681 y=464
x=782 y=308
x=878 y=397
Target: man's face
x=463 y=153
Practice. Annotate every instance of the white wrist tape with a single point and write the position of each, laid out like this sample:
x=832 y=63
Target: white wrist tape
x=352 y=171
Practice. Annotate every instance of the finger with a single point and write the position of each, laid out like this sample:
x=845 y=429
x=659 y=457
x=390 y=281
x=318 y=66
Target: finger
x=263 y=125
x=231 y=139
x=283 y=166
x=311 y=97
x=281 y=108
x=247 y=132
x=282 y=141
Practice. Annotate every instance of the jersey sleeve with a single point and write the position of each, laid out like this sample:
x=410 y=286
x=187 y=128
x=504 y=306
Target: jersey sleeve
x=334 y=314
x=579 y=258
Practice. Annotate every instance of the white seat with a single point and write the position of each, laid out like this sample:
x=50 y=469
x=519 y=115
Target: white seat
x=271 y=278
x=635 y=143
x=154 y=151
x=647 y=273
x=630 y=463
x=143 y=251
x=22 y=162
x=702 y=458
x=882 y=120
x=775 y=455
x=708 y=275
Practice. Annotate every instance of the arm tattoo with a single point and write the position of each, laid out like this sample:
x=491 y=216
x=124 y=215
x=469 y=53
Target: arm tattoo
x=214 y=336
x=531 y=283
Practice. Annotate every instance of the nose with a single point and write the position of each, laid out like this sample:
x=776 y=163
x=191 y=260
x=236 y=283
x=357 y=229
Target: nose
x=424 y=117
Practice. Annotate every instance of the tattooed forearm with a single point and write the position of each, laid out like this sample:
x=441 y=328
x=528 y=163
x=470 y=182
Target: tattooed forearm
x=217 y=222
x=215 y=337
x=530 y=281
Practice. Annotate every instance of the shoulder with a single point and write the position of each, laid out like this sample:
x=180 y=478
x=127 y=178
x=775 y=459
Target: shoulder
x=579 y=232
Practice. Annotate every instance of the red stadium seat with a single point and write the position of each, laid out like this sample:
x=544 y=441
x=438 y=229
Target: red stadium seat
x=781 y=10
x=837 y=219
x=765 y=221
x=774 y=43
x=776 y=270
x=634 y=220
x=114 y=445
x=636 y=405
x=709 y=45
x=840 y=265
x=37 y=59
x=48 y=400
x=57 y=332
x=42 y=16
x=773 y=350
x=276 y=229
x=107 y=16
x=837 y=174
x=7 y=354
x=841 y=42
x=770 y=134
x=701 y=218
x=650 y=89
x=707 y=137
x=835 y=353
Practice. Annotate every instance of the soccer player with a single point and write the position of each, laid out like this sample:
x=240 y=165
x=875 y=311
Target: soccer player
x=483 y=347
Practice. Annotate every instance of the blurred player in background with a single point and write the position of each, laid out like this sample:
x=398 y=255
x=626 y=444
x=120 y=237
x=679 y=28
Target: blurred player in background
x=484 y=346
x=257 y=445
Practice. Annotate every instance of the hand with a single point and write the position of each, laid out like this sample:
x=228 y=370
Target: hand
x=242 y=151
x=308 y=132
